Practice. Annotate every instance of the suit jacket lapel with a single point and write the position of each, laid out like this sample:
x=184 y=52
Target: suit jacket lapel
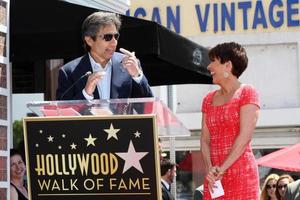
x=164 y=187
x=162 y=183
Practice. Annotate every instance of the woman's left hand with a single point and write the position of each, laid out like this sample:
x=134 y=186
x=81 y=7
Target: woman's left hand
x=220 y=172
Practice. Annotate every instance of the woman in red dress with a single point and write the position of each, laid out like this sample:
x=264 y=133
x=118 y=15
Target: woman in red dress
x=228 y=122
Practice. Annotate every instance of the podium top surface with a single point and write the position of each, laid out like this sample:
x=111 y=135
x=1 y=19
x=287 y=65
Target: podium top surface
x=167 y=123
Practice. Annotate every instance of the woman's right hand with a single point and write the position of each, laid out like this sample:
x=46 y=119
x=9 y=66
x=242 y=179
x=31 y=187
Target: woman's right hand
x=215 y=173
x=211 y=177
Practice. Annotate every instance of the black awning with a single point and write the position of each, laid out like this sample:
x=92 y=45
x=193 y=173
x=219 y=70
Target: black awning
x=50 y=29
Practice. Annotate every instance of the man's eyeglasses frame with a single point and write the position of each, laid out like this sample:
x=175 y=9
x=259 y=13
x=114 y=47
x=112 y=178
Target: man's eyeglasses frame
x=108 y=36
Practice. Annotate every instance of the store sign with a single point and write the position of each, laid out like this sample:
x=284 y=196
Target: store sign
x=92 y=158
x=220 y=16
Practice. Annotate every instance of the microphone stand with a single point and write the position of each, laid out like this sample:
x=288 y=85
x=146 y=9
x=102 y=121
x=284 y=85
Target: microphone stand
x=67 y=90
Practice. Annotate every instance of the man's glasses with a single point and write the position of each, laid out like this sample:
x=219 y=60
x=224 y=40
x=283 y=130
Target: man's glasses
x=108 y=37
x=282 y=186
x=271 y=186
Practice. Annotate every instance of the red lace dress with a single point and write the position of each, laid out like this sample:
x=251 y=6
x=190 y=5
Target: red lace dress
x=241 y=180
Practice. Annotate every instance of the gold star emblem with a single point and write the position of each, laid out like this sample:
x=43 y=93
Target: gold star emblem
x=112 y=132
x=73 y=146
x=90 y=140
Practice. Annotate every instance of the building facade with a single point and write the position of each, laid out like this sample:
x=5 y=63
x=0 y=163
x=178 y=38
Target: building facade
x=5 y=96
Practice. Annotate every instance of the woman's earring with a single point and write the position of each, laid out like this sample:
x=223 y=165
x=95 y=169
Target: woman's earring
x=226 y=74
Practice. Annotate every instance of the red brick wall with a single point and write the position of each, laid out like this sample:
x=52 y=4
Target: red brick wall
x=3 y=193
x=3 y=13
x=3 y=169
x=3 y=138
x=3 y=76
x=3 y=44
x=3 y=107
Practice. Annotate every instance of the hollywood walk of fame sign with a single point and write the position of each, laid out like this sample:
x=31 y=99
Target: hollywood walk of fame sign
x=92 y=158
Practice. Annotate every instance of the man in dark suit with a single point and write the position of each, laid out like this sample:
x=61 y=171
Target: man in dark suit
x=168 y=172
x=293 y=191
x=198 y=194
x=102 y=73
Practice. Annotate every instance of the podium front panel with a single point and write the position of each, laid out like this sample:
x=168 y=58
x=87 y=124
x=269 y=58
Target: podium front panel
x=91 y=158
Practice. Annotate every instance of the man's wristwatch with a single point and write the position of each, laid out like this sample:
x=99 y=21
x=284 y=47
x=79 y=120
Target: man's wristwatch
x=139 y=74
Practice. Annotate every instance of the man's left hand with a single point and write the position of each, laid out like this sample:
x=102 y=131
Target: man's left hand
x=130 y=63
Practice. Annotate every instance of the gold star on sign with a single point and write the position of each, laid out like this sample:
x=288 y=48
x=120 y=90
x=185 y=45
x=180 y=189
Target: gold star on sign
x=90 y=140
x=112 y=132
x=73 y=146
x=50 y=138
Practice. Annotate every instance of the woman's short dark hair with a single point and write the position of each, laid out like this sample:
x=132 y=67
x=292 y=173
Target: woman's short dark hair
x=15 y=152
x=233 y=52
x=95 y=21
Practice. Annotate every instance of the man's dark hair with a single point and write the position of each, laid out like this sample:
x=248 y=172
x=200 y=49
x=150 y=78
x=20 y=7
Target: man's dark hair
x=233 y=52
x=165 y=166
x=92 y=24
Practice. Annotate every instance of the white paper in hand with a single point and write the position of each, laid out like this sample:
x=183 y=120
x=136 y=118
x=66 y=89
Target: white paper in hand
x=218 y=190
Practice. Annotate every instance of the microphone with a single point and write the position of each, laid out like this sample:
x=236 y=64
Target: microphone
x=81 y=77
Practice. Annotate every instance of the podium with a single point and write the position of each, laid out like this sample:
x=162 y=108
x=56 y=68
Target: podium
x=100 y=149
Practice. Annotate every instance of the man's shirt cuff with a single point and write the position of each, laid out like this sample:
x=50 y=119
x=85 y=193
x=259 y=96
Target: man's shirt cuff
x=87 y=97
x=139 y=78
